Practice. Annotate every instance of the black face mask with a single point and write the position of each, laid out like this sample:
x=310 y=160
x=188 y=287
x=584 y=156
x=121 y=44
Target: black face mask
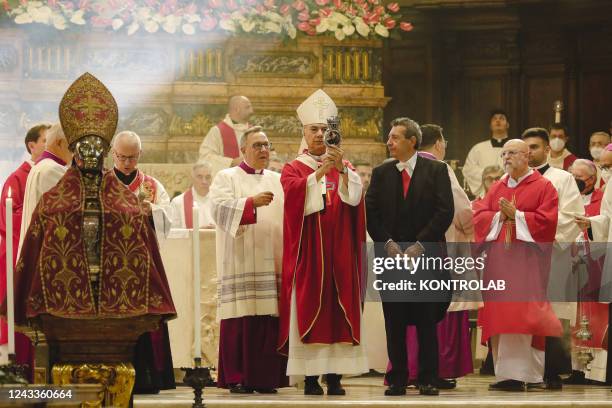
x=581 y=184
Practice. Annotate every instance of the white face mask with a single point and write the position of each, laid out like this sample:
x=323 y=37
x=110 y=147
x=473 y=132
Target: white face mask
x=605 y=175
x=557 y=144
x=596 y=152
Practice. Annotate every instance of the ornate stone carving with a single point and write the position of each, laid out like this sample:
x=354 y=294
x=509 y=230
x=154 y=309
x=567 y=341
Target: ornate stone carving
x=147 y=121
x=284 y=124
x=295 y=65
x=190 y=120
x=362 y=123
x=9 y=58
x=352 y=65
x=131 y=63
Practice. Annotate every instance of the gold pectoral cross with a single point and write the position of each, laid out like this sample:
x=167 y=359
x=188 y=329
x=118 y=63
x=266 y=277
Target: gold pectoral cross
x=509 y=224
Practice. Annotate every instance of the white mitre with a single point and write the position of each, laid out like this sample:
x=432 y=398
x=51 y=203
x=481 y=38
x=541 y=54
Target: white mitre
x=315 y=109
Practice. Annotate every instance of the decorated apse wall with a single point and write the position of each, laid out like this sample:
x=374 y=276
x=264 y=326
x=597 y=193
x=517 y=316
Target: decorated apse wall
x=172 y=88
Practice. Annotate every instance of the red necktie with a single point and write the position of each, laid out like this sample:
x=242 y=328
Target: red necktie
x=405 y=181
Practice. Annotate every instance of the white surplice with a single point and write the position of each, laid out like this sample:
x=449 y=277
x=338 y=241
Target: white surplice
x=481 y=155
x=249 y=257
x=42 y=178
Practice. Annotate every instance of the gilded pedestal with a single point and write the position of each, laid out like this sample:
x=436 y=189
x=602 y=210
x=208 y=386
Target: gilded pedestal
x=116 y=379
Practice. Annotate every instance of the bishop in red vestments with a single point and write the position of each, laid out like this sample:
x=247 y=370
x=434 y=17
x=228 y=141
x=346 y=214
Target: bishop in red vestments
x=516 y=223
x=324 y=229
x=16 y=183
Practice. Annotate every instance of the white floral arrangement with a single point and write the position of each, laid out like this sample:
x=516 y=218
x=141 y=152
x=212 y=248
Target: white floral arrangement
x=340 y=18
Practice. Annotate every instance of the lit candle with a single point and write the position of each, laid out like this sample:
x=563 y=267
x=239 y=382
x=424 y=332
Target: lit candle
x=196 y=282
x=9 y=274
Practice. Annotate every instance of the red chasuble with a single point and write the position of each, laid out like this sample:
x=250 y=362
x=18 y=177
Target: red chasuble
x=52 y=273
x=322 y=260
x=524 y=267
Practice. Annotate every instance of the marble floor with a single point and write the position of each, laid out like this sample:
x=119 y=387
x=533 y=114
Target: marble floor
x=368 y=392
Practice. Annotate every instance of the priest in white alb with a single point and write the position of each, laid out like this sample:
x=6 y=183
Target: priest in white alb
x=220 y=148
x=561 y=282
x=486 y=153
x=182 y=205
x=324 y=230
x=247 y=207
x=48 y=170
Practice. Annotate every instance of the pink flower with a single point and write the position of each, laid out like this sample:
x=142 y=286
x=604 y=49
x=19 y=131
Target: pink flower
x=208 y=23
x=98 y=21
x=394 y=7
x=374 y=1
x=215 y=4
x=371 y=18
x=304 y=16
x=270 y=4
x=51 y=3
x=321 y=2
x=380 y=10
x=299 y=5
x=389 y=23
x=303 y=26
x=231 y=5
x=406 y=26
x=260 y=8
x=314 y=21
x=312 y=31
x=339 y=4
x=325 y=12
x=83 y=4
x=6 y=5
x=285 y=9
x=69 y=6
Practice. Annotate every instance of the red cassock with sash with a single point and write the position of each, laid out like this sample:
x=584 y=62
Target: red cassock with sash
x=24 y=352
x=523 y=308
x=322 y=261
x=595 y=312
x=230 y=142
x=52 y=274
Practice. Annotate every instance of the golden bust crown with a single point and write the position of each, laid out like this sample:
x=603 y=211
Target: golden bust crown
x=88 y=108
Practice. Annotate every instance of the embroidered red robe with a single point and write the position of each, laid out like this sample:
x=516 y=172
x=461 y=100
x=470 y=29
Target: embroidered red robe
x=321 y=262
x=523 y=308
x=52 y=273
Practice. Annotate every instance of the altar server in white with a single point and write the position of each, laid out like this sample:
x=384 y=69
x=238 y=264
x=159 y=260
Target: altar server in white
x=182 y=205
x=486 y=153
x=247 y=207
x=561 y=281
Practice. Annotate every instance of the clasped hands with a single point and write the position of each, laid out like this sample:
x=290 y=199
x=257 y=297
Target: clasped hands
x=507 y=209
x=413 y=251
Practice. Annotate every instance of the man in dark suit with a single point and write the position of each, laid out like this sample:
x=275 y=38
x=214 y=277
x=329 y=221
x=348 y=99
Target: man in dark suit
x=409 y=208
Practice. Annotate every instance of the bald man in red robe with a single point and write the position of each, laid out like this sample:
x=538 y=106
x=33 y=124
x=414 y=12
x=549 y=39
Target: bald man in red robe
x=16 y=183
x=516 y=224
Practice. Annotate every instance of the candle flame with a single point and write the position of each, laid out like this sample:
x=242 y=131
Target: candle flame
x=9 y=192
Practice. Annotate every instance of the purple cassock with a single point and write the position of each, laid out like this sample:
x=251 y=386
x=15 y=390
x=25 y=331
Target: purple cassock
x=454 y=347
x=247 y=353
